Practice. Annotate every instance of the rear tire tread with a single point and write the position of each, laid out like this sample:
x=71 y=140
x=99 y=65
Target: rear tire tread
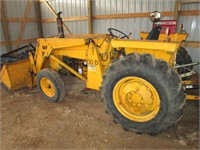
x=168 y=79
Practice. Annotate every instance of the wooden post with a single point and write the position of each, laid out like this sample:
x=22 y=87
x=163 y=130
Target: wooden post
x=176 y=12
x=89 y=16
x=177 y=8
x=38 y=17
x=55 y=14
x=5 y=27
x=27 y=11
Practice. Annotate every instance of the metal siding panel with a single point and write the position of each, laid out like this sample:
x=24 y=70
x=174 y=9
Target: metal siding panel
x=85 y=6
x=49 y=13
x=113 y=23
x=96 y=24
x=107 y=7
x=21 y=6
x=43 y=11
x=85 y=27
x=125 y=6
x=95 y=7
x=61 y=6
x=81 y=27
x=70 y=26
x=78 y=8
x=129 y=6
x=102 y=7
x=113 y=7
x=191 y=23
x=145 y=6
x=2 y=34
x=73 y=8
x=132 y=27
x=119 y=6
x=195 y=54
x=3 y=50
x=138 y=27
x=138 y=4
x=107 y=11
x=78 y=27
x=16 y=9
x=192 y=27
x=53 y=5
x=191 y=6
x=50 y=29
x=32 y=13
x=9 y=6
x=64 y=8
x=74 y=27
x=30 y=31
x=69 y=12
x=14 y=28
x=125 y=25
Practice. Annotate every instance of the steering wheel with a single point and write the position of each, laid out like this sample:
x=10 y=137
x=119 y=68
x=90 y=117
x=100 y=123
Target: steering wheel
x=110 y=30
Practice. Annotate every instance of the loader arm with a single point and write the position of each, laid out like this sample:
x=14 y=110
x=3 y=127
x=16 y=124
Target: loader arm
x=75 y=48
x=52 y=50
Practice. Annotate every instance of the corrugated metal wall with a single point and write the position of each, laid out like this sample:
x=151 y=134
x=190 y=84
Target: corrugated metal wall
x=134 y=25
x=16 y=9
x=192 y=27
x=74 y=8
x=69 y=8
x=3 y=48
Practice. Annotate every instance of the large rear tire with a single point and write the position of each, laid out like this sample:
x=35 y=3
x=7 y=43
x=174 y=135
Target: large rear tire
x=143 y=94
x=183 y=58
x=51 y=85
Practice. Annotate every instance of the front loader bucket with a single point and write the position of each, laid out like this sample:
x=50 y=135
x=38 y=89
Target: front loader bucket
x=16 y=75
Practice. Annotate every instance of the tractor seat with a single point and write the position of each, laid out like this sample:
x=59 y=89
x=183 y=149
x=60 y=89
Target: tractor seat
x=154 y=34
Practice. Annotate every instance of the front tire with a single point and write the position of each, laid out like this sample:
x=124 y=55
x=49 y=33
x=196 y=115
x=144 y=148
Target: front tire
x=143 y=94
x=50 y=85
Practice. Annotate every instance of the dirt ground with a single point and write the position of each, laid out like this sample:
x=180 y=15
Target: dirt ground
x=79 y=121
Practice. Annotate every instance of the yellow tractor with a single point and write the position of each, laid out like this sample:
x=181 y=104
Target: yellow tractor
x=138 y=83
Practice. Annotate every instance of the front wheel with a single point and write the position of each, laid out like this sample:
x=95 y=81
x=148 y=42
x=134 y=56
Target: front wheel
x=143 y=94
x=51 y=85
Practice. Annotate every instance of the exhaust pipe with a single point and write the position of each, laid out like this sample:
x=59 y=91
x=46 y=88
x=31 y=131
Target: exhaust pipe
x=60 y=26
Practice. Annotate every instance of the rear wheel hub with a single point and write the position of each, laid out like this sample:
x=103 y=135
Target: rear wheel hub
x=136 y=99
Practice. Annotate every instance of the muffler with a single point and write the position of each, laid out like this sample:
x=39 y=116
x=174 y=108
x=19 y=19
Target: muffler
x=60 y=25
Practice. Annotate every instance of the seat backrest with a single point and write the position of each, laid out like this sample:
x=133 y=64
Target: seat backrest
x=154 y=34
